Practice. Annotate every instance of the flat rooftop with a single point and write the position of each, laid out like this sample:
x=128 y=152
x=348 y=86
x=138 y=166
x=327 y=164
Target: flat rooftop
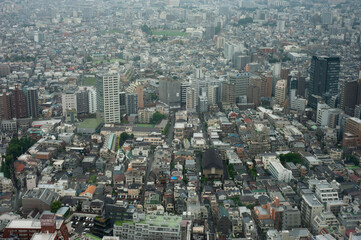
x=90 y=123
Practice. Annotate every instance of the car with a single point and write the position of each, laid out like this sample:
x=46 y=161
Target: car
x=76 y=223
x=84 y=224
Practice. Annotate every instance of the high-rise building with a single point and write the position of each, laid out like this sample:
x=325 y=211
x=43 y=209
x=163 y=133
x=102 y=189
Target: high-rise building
x=4 y=70
x=111 y=86
x=100 y=96
x=192 y=100
x=228 y=93
x=18 y=104
x=92 y=98
x=324 y=76
x=253 y=95
x=122 y=103
x=32 y=102
x=131 y=102
x=350 y=95
x=241 y=83
x=140 y=93
x=212 y=95
x=280 y=91
x=202 y=103
x=301 y=86
x=5 y=106
x=82 y=102
x=169 y=92
x=183 y=92
x=68 y=101
x=357 y=112
x=352 y=135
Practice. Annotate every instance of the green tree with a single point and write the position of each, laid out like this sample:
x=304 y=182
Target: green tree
x=157 y=117
x=146 y=29
x=291 y=157
x=89 y=59
x=54 y=206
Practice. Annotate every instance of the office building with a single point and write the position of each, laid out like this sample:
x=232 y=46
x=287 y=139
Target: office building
x=191 y=100
x=32 y=102
x=169 y=92
x=350 y=95
x=228 y=93
x=241 y=83
x=111 y=86
x=253 y=95
x=358 y=111
x=280 y=91
x=310 y=208
x=324 y=76
x=140 y=94
x=149 y=227
x=183 y=92
x=131 y=103
x=279 y=172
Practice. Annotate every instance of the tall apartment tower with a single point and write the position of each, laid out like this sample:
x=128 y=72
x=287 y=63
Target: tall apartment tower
x=350 y=95
x=111 y=85
x=68 y=101
x=92 y=98
x=169 y=91
x=131 y=103
x=5 y=106
x=280 y=91
x=82 y=102
x=99 y=96
x=324 y=76
x=32 y=102
x=212 y=95
x=228 y=93
x=183 y=93
x=18 y=104
x=192 y=100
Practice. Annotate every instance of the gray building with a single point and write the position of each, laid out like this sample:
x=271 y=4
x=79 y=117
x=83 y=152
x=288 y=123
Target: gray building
x=32 y=102
x=241 y=83
x=39 y=199
x=169 y=92
x=291 y=218
x=131 y=103
x=82 y=102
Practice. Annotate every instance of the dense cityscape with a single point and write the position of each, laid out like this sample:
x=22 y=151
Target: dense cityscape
x=180 y=119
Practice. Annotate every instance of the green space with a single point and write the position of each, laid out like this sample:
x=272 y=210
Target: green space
x=121 y=222
x=145 y=125
x=157 y=117
x=90 y=123
x=166 y=129
x=92 y=237
x=124 y=137
x=169 y=33
x=89 y=81
x=15 y=149
x=352 y=167
x=54 y=206
x=291 y=157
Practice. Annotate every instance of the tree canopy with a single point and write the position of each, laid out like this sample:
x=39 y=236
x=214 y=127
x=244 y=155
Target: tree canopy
x=291 y=157
x=157 y=117
x=54 y=206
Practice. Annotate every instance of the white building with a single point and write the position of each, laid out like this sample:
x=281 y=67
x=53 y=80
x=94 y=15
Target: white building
x=92 y=95
x=325 y=192
x=279 y=172
x=310 y=208
x=212 y=95
x=68 y=101
x=280 y=91
x=111 y=86
x=322 y=114
x=191 y=100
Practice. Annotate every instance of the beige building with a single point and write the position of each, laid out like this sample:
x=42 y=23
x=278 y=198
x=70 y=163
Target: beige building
x=280 y=91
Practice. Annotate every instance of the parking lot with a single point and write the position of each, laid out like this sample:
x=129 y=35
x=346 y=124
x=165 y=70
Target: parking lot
x=80 y=225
